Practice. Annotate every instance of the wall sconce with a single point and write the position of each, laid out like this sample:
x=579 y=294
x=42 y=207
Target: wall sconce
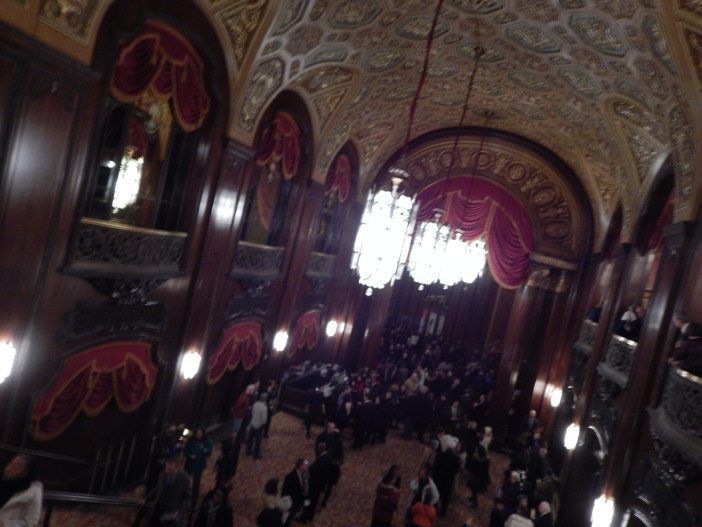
x=571 y=436
x=556 y=397
x=602 y=512
x=190 y=364
x=332 y=328
x=7 y=360
x=280 y=341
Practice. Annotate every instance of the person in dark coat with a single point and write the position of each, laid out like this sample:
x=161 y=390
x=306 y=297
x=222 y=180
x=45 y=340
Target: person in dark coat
x=297 y=485
x=387 y=497
x=332 y=438
x=275 y=508
x=171 y=497
x=499 y=515
x=320 y=471
x=479 y=468
x=446 y=467
x=215 y=511
x=361 y=422
x=196 y=452
x=228 y=460
x=545 y=516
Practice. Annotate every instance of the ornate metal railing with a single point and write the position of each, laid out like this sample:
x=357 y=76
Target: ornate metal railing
x=662 y=503
x=107 y=248
x=255 y=261
x=619 y=360
x=682 y=400
x=588 y=332
x=321 y=265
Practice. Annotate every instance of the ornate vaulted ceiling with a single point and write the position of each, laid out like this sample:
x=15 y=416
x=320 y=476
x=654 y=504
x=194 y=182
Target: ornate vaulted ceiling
x=611 y=86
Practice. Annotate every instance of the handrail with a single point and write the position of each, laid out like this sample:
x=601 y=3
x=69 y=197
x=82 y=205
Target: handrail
x=92 y=499
x=52 y=498
x=49 y=455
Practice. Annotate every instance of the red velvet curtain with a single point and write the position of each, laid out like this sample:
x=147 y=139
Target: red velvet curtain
x=307 y=331
x=664 y=219
x=88 y=381
x=161 y=61
x=483 y=209
x=278 y=149
x=240 y=343
x=339 y=178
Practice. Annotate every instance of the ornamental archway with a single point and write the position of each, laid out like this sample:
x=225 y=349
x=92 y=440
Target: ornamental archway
x=542 y=183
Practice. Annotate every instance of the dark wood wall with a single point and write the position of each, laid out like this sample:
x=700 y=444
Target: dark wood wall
x=50 y=112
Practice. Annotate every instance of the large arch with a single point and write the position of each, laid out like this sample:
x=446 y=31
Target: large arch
x=545 y=185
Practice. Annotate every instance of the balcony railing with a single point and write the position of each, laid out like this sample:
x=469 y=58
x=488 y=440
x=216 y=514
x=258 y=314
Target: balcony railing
x=255 y=261
x=682 y=400
x=619 y=360
x=586 y=338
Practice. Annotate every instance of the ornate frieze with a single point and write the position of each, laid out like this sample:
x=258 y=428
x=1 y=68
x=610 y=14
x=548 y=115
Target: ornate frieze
x=321 y=265
x=266 y=79
x=241 y=21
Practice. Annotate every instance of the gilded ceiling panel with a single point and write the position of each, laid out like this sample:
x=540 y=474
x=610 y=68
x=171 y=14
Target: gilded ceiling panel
x=241 y=21
x=693 y=7
x=266 y=79
x=683 y=142
x=551 y=69
x=72 y=17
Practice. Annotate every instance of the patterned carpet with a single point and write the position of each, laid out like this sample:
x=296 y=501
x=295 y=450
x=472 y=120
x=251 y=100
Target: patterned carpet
x=352 y=501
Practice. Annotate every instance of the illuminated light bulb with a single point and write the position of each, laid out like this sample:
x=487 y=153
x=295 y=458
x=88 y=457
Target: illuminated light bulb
x=280 y=341
x=332 y=327
x=190 y=364
x=421 y=287
x=369 y=291
x=571 y=436
x=7 y=360
x=602 y=512
x=556 y=397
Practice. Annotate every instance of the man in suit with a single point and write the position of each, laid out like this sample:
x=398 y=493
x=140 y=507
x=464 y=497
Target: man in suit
x=297 y=485
x=171 y=497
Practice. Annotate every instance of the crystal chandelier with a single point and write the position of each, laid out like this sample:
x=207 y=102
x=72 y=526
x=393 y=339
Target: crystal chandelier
x=462 y=261
x=383 y=240
x=439 y=254
x=384 y=237
x=428 y=250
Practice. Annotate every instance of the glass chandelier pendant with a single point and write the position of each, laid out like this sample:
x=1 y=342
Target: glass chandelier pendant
x=383 y=239
x=454 y=260
x=475 y=259
x=428 y=251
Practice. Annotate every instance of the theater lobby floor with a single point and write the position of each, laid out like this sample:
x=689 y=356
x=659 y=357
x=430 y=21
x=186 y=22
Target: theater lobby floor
x=352 y=500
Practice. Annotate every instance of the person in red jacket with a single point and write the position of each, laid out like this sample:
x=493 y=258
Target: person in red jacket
x=387 y=496
x=424 y=513
x=240 y=409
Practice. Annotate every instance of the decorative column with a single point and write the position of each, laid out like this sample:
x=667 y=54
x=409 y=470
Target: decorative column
x=527 y=327
x=650 y=356
x=588 y=352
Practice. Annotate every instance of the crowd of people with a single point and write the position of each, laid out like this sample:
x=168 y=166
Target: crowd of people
x=423 y=391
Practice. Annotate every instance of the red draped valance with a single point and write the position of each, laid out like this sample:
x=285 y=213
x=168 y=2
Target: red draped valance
x=161 y=61
x=279 y=146
x=483 y=209
x=240 y=343
x=89 y=380
x=339 y=178
x=307 y=331
x=281 y=142
x=664 y=219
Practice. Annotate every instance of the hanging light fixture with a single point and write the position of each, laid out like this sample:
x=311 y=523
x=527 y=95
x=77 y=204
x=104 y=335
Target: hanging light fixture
x=440 y=254
x=602 y=512
x=383 y=240
x=428 y=249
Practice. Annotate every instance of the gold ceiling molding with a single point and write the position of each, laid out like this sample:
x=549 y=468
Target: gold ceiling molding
x=549 y=71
